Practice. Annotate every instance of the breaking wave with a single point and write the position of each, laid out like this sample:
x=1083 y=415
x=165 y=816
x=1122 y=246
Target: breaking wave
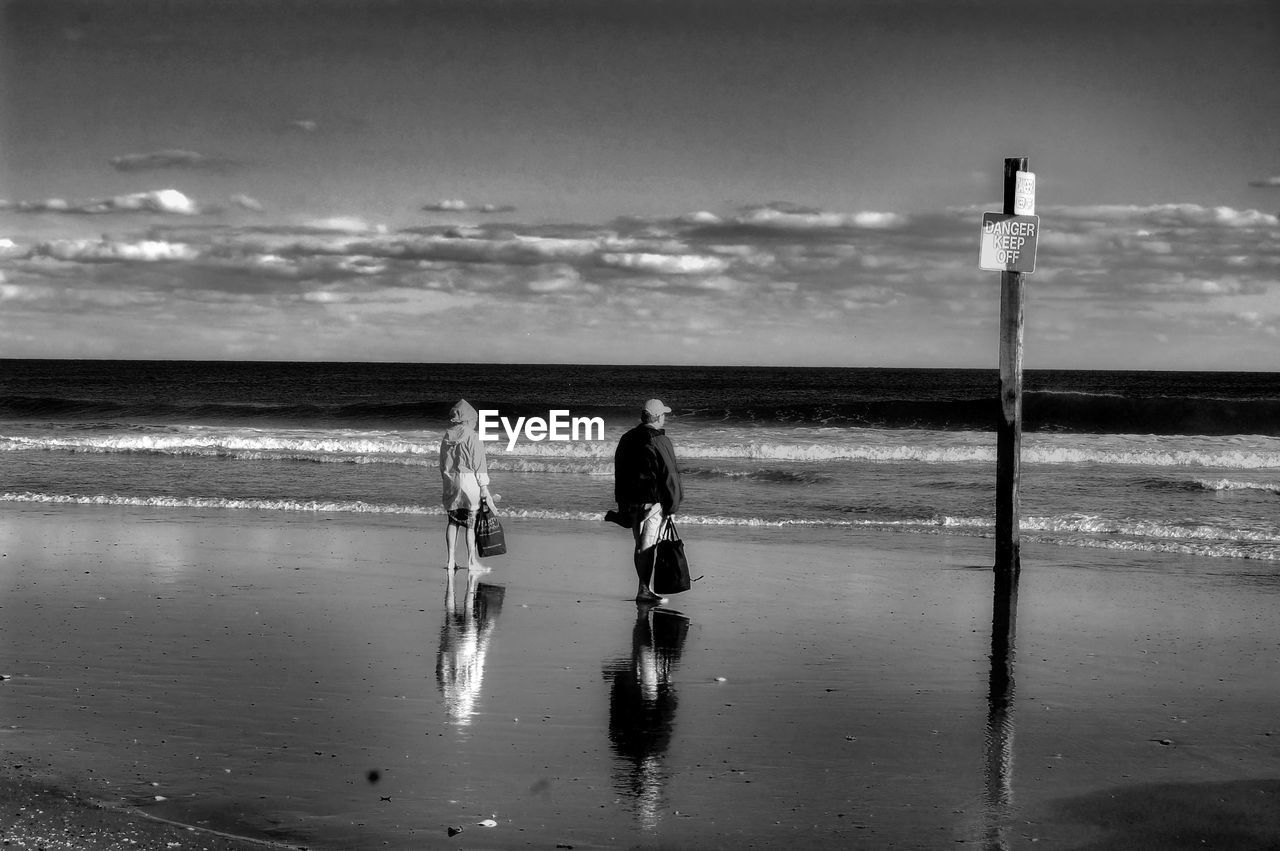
x=596 y=457
x=1228 y=485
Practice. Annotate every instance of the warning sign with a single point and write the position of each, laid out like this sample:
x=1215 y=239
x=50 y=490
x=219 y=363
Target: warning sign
x=1009 y=243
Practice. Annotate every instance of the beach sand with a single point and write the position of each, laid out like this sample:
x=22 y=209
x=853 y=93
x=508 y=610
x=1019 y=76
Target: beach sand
x=304 y=681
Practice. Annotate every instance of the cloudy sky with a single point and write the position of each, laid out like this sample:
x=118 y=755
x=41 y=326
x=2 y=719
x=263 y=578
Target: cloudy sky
x=622 y=181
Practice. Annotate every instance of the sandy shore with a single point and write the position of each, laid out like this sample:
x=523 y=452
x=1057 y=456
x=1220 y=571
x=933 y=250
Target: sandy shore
x=308 y=681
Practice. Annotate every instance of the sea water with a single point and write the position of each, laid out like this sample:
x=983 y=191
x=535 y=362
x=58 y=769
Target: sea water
x=1149 y=461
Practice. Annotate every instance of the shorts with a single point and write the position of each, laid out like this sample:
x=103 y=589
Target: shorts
x=463 y=517
x=646 y=523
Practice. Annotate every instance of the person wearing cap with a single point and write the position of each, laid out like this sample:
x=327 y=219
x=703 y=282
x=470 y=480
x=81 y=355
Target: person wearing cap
x=465 y=477
x=646 y=484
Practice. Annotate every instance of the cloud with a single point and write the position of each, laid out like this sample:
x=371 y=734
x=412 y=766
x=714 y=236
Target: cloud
x=513 y=251
x=665 y=264
x=456 y=205
x=557 y=278
x=171 y=159
x=344 y=224
x=403 y=302
x=1267 y=182
x=1163 y=215
x=869 y=284
x=247 y=203
x=326 y=126
x=166 y=201
x=797 y=218
x=94 y=251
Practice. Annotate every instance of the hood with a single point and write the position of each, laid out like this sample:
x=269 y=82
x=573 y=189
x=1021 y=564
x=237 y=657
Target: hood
x=464 y=419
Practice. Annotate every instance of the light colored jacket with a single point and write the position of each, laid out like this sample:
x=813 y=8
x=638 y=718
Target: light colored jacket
x=463 y=470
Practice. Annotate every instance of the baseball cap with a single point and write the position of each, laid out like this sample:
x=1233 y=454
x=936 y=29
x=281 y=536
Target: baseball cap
x=655 y=408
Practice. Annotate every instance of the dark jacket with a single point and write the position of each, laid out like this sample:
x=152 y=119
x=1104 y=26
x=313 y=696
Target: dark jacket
x=645 y=471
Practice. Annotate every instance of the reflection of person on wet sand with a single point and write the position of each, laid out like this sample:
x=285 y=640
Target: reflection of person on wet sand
x=642 y=708
x=464 y=643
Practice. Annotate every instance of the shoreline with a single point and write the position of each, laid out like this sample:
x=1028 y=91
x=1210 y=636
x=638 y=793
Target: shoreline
x=828 y=690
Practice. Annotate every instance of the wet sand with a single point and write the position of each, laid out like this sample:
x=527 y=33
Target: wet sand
x=307 y=680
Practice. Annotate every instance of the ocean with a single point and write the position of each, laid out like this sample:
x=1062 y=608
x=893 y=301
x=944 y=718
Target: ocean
x=1147 y=461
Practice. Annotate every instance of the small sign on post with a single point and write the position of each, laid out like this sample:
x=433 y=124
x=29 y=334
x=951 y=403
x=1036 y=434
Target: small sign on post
x=1009 y=242
x=1024 y=193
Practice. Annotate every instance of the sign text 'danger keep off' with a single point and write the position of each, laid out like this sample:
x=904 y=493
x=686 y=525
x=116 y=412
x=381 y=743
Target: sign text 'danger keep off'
x=1008 y=243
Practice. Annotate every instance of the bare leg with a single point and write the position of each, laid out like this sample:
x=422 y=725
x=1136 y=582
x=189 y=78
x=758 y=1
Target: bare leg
x=645 y=531
x=451 y=544
x=644 y=576
x=643 y=561
x=473 y=562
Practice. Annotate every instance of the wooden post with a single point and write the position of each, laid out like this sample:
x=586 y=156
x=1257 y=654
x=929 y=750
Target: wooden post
x=998 y=751
x=998 y=756
x=1009 y=429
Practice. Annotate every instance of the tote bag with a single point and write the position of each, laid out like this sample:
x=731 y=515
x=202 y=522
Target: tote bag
x=670 y=566
x=490 y=541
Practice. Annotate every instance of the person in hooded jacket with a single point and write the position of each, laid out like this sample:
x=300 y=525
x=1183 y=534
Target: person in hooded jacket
x=465 y=477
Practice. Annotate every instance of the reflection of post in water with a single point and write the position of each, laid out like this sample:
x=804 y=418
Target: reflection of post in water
x=642 y=708
x=464 y=643
x=998 y=755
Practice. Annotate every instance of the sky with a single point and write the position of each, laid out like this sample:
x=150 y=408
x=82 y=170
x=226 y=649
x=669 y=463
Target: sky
x=787 y=182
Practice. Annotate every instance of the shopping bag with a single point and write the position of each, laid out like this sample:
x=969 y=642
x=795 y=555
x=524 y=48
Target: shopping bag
x=490 y=541
x=670 y=566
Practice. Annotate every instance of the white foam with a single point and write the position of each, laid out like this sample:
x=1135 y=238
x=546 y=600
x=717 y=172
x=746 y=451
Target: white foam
x=356 y=506
x=596 y=457
x=1147 y=529
x=1194 y=548
x=1228 y=485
